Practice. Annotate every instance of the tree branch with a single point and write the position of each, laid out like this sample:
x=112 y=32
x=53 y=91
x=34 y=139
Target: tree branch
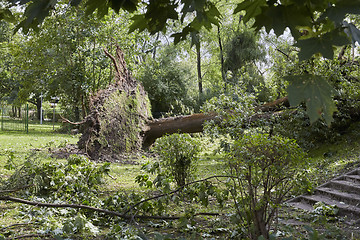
x=31 y=236
x=177 y=190
x=72 y=123
x=108 y=212
x=16 y=225
x=16 y=190
x=113 y=59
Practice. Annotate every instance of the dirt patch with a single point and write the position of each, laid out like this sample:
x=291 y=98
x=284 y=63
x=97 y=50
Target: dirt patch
x=65 y=152
x=122 y=158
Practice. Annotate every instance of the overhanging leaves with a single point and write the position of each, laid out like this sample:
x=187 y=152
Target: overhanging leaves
x=7 y=15
x=290 y=16
x=316 y=92
x=352 y=31
x=338 y=11
x=322 y=44
x=252 y=8
x=155 y=17
x=35 y=13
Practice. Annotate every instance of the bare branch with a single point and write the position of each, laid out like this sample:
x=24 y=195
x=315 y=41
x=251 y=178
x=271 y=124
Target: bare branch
x=72 y=123
x=17 y=189
x=31 y=236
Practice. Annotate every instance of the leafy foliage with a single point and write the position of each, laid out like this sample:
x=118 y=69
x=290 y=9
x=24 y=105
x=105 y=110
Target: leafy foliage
x=316 y=92
x=77 y=180
x=234 y=108
x=316 y=26
x=178 y=155
x=242 y=49
x=168 y=82
x=264 y=168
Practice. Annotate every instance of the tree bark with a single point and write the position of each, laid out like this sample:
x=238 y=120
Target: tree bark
x=182 y=124
x=223 y=74
x=198 y=60
x=37 y=103
x=195 y=123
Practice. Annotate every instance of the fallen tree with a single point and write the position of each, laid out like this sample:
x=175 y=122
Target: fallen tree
x=120 y=119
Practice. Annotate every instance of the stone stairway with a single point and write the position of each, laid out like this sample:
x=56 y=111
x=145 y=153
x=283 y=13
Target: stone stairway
x=343 y=191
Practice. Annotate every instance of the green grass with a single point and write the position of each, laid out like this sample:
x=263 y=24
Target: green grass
x=336 y=158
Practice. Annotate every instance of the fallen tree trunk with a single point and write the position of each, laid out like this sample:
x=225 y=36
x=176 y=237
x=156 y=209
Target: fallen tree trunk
x=120 y=119
x=195 y=123
x=183 y=124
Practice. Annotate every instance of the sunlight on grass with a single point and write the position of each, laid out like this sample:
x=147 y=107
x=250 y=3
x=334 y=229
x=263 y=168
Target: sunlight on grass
x=20 y=143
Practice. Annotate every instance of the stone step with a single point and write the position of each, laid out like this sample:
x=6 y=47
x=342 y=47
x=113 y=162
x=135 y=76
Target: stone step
x=344 y=186
x=343 y=191
x=344 y=209
x=301 y=205
x=348 y=198
x=352 y=178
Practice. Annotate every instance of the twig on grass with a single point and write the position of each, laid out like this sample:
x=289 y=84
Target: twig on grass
x=31 y=236
x=16 y=189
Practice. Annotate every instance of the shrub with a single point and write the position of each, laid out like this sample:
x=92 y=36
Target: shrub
x=178 y=155
x=264 y=169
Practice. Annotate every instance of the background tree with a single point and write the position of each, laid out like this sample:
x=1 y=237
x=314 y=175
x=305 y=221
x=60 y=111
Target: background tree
x=170 y=83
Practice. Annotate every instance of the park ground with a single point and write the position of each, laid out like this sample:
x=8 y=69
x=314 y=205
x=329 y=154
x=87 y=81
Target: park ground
x=329 y=160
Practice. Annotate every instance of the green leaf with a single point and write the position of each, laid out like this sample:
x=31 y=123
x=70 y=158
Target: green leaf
x=317 y=94
x=79 y=222
x=338 y=11
x=75 y=2
x=322 y=44
x=139 y=22
x=128 y=5
x=92 y=5
x=352 y=31
x=252 y=8
x=290 y=16
x=180 y=36
x=7 y=15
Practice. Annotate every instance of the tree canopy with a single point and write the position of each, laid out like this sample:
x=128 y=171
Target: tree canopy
x=317 y=26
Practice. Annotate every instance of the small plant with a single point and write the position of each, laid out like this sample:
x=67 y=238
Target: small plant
x=325 y=212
